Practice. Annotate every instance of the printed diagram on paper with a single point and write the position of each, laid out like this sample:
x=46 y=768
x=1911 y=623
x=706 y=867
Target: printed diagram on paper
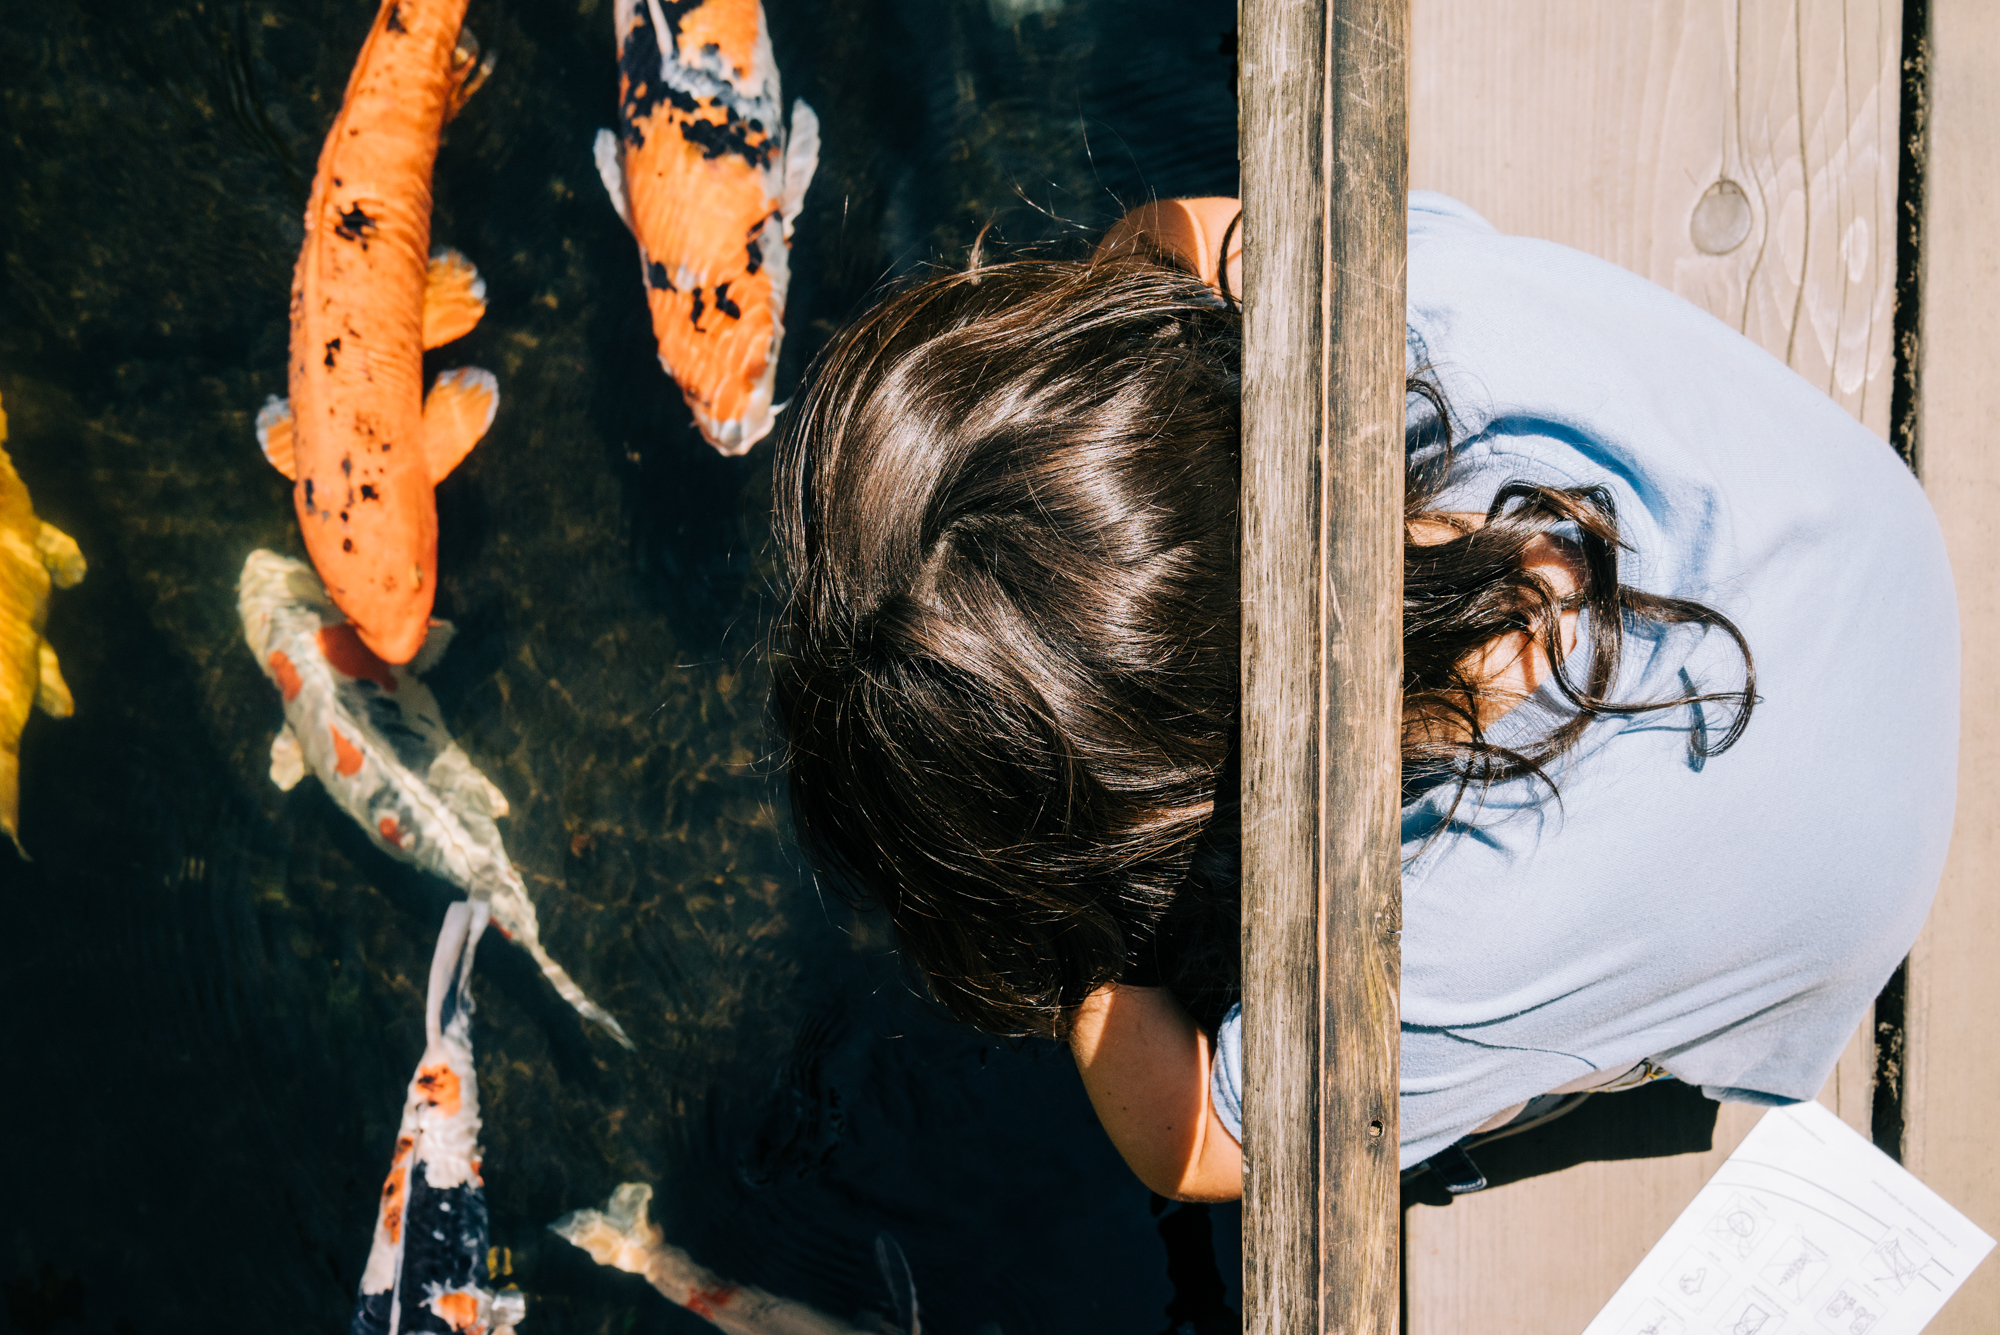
x=1806 y=1230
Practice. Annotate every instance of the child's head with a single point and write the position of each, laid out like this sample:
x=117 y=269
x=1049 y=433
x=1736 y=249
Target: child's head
x=1008 y=669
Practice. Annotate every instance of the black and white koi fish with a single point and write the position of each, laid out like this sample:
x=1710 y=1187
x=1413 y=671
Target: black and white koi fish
x=429 y=1255
x=372 y=733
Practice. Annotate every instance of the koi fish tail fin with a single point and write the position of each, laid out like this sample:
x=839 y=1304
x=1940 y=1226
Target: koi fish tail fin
x=274 y=435
x=448 y=1002
x=895 y=1268
x=620 y=1235
x=567 y=989
x=610 y=155
x=457 y=412
x=468 y=70
x=801 y=161
x=454 y=297
x=515 y=914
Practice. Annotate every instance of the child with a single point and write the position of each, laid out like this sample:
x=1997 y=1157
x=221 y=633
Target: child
x=1680 y=680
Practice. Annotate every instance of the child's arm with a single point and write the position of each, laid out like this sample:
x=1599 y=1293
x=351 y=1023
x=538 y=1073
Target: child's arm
x=1145 y=1065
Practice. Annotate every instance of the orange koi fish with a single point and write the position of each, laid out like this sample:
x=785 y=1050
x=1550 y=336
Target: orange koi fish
x=705 y=174
x=361 y=442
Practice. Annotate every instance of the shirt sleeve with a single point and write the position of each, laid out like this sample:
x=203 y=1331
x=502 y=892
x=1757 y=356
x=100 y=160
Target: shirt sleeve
x=1225 y=1080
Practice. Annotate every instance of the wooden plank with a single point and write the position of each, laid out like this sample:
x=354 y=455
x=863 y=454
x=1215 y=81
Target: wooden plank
x=1952 y=1085
x=1323 y=149
x=1612 y=127
x=1540 y=1257
x=1604 y=126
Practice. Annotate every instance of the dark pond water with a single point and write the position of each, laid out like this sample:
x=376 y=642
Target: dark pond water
x=211 y=991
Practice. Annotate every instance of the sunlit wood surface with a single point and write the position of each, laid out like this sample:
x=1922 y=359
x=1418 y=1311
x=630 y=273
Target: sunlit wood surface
x=1739 y=152
x=1954 y=1079
x=1743 y=155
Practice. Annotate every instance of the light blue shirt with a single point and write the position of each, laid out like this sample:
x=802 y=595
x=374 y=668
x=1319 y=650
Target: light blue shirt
x=1731 y=918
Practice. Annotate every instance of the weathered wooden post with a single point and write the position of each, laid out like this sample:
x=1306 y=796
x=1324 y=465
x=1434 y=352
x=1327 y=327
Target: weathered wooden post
x=1324 y=148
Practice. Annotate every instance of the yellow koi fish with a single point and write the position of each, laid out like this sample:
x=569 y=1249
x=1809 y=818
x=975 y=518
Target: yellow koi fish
x=33 y=555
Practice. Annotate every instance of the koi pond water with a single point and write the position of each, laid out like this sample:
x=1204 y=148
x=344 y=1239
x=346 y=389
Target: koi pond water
x=212 y=990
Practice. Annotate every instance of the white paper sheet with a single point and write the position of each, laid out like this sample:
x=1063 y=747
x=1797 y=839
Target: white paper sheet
x=1806 y=1230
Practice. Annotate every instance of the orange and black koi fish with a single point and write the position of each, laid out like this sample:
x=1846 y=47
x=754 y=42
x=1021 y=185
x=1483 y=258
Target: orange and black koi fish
x=706 y=175
x=360 y=440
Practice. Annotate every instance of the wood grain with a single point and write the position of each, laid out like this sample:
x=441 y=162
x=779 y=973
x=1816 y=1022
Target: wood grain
x=1540 y=1257
x=1323 y=148
x=1603 y=124
x=1952 y=1081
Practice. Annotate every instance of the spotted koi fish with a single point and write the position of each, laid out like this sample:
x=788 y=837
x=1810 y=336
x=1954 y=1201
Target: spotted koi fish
x=361 y=441
x=429 y=1255
x=372 y=733
x=621 y=1235
x=33 y=555
x=704 y=172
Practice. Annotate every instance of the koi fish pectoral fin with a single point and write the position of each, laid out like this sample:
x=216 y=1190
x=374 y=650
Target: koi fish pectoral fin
x=454 y=298
x=436 y=641
x=469 y=72
x=52 y=695
x=457 y=412
x=274 y=435
x=454 y=775
x=60 y=556
x=610 y=155
x=801 y=161
x=288 y=759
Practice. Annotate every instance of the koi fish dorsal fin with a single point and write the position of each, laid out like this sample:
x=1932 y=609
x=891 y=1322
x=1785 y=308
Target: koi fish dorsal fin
x=801 y=161
x=454 y=298
x=610 y=155
x=456 y=414
x=274 y=435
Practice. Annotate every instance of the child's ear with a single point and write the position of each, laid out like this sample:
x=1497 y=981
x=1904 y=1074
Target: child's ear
x=1192 y=232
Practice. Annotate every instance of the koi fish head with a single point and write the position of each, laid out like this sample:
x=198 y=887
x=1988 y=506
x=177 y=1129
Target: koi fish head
x=278 y=597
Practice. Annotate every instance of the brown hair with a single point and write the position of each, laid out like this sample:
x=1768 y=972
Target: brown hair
x=1006 y=673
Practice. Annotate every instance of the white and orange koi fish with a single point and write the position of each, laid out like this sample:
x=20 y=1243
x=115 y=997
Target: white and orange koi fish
x=429 y=1256
x=704 y=172
x=621 y=1235
x=372 y=733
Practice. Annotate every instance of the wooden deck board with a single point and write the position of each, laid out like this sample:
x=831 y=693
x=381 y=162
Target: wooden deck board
x=1953 y=1081
x=1605 y=126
